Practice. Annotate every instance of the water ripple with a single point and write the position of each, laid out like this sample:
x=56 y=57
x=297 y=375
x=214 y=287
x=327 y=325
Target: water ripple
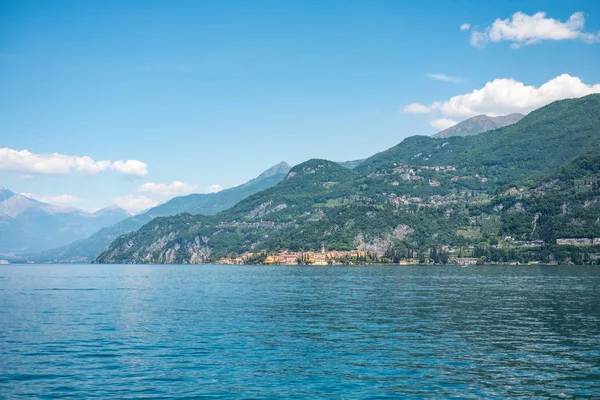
x=299 y=332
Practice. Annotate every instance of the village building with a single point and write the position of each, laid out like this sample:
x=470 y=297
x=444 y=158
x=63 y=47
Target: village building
x=287 y=259
x=578 y=241
x=466 y=260
x=270 y=260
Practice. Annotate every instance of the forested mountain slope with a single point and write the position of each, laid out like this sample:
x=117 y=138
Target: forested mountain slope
x=544 y=139
x=421 y=194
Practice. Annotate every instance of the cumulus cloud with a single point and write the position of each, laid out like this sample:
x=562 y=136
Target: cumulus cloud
x=505 y=96
x=134 y=204
x=60 y=199
x=478 y=39
x=215 y=188
x=522 y=29
x=175 y=188
x=445 y=78
x=130 y=168
x=27 y=163
x=443 y=123
x=416 y=108
x=465 y=27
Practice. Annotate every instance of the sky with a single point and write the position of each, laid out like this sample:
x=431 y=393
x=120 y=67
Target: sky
x=135 y=102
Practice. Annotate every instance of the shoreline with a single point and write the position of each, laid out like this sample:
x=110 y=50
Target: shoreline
x=318 y=266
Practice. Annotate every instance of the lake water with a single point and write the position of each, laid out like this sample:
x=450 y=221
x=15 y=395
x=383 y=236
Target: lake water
x=304 y=332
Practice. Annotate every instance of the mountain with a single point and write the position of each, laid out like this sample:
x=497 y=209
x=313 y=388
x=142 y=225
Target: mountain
x=87 y=249
x=111 y=210
x=13 y=205
x=479 y=124
x=545 y=139
x=563 y=204
x=424 y=194
x=29 y=225
x=212 y=203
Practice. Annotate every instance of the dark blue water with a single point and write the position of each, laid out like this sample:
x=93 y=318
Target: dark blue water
x=306 y=332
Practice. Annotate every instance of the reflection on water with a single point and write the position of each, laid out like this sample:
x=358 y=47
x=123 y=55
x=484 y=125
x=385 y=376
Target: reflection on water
x=250 y=331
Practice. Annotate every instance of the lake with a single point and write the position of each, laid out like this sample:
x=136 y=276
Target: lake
x=208 y=331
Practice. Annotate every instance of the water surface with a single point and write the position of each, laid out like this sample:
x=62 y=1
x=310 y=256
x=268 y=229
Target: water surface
x=306 y=332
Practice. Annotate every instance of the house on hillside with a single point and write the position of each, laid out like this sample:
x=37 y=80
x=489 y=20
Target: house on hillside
x=466 y=261
x=575 y=242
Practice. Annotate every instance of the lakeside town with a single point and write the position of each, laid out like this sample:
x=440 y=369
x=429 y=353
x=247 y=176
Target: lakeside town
x=334 y=257
x=360 y=257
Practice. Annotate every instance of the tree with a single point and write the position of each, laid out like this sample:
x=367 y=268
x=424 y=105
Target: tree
x=444 y=257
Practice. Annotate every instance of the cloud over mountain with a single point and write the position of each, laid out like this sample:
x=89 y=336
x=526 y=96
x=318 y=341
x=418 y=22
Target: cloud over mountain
x=215 y=188
x=28 y=163
x=501 y=97
x=60 y=199
x=443 y=123
x=133 y=203
x=172 y=189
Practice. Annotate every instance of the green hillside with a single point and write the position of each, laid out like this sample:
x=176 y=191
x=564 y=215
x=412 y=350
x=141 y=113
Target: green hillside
x=544 y=139
x=497 y=188
x=565 y=204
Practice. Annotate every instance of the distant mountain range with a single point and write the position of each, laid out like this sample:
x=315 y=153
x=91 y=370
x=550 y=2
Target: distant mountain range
x=531 y=182
x=207 y=204
x=479 y=124
x=28 y=225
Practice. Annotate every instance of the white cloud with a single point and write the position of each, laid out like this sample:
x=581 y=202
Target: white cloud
x=60 y=199
x=525 y=29
x=215 y=188
x=28 y=163
x=443 y=123
x=175 y=188
x=465 y=27
x=416 y=108
x=478 y=39
x=445 y=78
x=505 y=96
x=130 y=168
x=134 y=204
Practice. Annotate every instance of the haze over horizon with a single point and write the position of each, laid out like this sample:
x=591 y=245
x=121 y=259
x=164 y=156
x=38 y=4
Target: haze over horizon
x=135 y=103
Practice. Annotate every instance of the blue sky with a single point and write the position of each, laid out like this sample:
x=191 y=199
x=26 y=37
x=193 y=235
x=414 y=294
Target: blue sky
x=213 y=93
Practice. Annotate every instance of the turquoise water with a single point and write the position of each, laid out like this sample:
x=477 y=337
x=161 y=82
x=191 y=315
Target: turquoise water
x=305 y=332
